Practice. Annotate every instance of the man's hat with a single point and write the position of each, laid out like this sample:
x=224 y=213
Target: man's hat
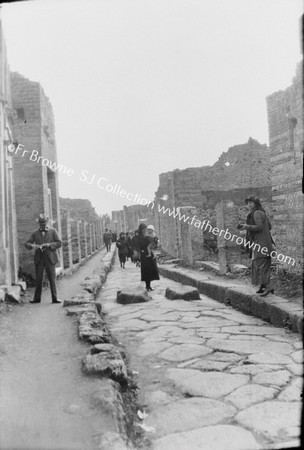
x=43 y=218
x=252 y=198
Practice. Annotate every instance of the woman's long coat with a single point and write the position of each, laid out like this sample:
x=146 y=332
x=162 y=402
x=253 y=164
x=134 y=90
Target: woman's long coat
x=148 y=265
x=122 y=245
x=259 y=233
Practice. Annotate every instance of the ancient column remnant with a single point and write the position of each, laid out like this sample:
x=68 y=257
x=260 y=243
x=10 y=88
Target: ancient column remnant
x=66 y=239
x=229 y=248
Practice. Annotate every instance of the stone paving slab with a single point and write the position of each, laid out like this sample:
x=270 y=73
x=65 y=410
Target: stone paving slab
x=220 y=437
x=274 y=419
x=171 y=418
x=188 y=354
x=276 y=310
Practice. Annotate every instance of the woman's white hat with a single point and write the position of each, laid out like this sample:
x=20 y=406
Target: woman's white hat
x=150 y=227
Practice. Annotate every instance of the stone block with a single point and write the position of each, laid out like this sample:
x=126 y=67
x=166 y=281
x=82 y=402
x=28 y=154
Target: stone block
x=127 y=296
x=22 y=284
x=210 y=265
x=182 y=292
x=13 y=294
x=171 y=261
x=2 y=295
x=76 y=302
x=238 y=268
x=93 y=329
x=198 y=264
x=78 y=310
x=106 y=360
x=91 y=285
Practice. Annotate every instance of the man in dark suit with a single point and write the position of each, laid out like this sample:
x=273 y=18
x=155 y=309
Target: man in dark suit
x=107 y=236
x=45 y=241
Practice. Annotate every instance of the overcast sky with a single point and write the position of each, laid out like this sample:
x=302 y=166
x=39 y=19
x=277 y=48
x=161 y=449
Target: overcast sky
x=142 y=87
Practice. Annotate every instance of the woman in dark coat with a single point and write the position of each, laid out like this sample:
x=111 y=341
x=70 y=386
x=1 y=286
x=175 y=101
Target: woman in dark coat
x=148 y=265
x=123 y=249
x=258 y=231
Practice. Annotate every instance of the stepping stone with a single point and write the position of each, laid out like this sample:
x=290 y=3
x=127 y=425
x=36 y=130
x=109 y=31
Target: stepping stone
x=127 y=296
x=182 y=292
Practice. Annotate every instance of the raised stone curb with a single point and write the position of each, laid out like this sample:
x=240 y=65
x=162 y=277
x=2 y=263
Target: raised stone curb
x=108 y=401
x=183 y=292
x=273 y=309
x=92 y=328
x=78 y=310
x=106 y=360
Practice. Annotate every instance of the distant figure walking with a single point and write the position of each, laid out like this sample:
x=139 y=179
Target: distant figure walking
x=258 y=231
x=107 y=236
x=130 y=244
x=123 y=249
x=45 y=241
x=135 y=248
x=148 y=265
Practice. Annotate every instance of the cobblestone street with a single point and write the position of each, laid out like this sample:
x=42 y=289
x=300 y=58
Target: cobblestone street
x=208 y=376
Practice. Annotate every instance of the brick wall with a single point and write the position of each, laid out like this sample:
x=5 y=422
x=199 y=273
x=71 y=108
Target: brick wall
x=285 y=125
x=9 y=258
x=36 y=185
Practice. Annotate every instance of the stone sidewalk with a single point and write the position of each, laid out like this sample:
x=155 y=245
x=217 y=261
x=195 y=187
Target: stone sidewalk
x=278 y=311
x=209 y=377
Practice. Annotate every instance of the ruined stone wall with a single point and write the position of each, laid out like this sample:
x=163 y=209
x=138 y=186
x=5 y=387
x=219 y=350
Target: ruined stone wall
x=167 y=225
x=80 y=209
x=285 y=125
x=239 y=172
x=9 y=258
x=117 y=222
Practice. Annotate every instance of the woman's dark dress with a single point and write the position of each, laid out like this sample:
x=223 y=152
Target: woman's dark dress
x=123 y=249
x=259 y=227
x=148 y=265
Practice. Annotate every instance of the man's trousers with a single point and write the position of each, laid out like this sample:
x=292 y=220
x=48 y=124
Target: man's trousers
x=51 y=275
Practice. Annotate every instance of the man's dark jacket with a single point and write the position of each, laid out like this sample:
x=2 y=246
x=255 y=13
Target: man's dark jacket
x=50 y=237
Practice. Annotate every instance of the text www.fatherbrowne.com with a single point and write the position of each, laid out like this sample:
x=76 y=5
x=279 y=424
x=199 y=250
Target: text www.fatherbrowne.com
x=206 y=226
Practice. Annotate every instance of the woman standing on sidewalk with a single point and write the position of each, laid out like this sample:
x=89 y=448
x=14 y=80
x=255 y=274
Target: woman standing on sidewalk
x=148 y=265
x=123 y=249
x=258 y=231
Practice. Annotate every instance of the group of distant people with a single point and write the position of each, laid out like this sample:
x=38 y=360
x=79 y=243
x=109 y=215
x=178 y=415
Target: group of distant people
x=140 y=247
